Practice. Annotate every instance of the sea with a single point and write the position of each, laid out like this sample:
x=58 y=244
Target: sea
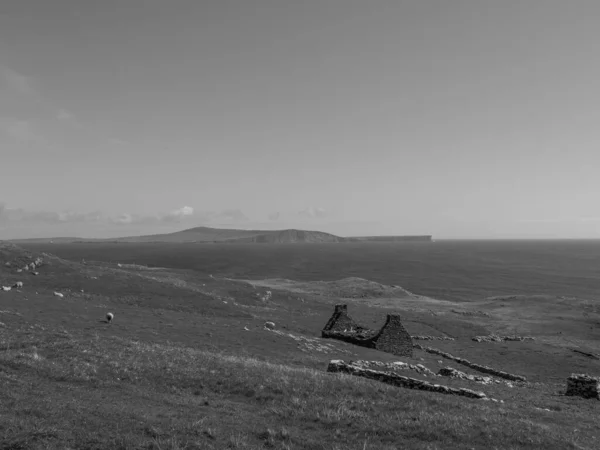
x=457 y=270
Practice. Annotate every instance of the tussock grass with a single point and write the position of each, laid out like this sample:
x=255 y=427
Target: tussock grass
x=63 y=390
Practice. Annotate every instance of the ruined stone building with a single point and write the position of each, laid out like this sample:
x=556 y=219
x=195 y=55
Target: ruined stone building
x=391 y=338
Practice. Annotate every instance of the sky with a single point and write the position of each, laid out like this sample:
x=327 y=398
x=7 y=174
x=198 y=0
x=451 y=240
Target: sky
x=460 y=119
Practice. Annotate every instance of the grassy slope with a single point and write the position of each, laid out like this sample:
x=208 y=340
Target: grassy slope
x=177 y=370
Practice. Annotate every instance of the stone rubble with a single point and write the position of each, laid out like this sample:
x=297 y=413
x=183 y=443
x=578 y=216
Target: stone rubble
x=478 y=367
x=583 y=385
x=401 y=381
x=454 y=373
x=432 y=338
x=397 y=365
x=496 y=338
x=310 y=344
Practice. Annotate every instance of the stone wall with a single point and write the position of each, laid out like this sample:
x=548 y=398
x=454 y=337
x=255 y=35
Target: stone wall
x=399 y=380
x=391 y=338
x=478 y=367
x=582 y=385
x=341 y=322
x=432 y=338
x=496 y=338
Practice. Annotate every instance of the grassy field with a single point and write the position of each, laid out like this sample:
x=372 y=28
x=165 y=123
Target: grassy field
x=187 y=363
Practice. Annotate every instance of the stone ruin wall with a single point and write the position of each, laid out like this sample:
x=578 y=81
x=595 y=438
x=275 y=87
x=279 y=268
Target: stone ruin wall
x=340 y=321
x=401 y=381
x=582 y=385
x=392 y=338
x=478 y=367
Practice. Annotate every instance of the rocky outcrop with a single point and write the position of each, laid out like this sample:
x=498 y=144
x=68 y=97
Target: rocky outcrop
x=399 y=380
x=391 y=338
x=478 y=367
x=582 y=385
x=496 y=338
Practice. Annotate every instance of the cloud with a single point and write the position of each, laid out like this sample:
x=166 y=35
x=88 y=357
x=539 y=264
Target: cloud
x=47 y=217
x=21 y=131
x=313 y=213
x=16 y=81
x=232 y=215
x=561 y=220
x=274 y=216
x=64 y=115
x=177 y=215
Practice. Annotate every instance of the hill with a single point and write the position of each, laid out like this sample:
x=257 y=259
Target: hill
x=214 y=235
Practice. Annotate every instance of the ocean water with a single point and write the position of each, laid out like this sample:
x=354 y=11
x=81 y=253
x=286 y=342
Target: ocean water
x=452 y=270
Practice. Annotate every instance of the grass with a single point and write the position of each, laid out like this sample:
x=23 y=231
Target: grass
x=187 y=364
x=62 y=390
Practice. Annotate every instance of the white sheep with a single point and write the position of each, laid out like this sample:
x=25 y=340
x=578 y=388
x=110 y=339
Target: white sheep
x=18 y=285
x=270 y=325
x=6 y=288
x=58 y=294
x=109 y=317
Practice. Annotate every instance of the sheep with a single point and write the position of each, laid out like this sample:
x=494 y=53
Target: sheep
x=18 y=284
x=6 y=288
x=270 y=325
x=32 y=266
x=7 y=264
x=58 y=294
x=109 y=317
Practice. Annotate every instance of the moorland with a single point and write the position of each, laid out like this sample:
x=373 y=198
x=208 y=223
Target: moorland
x=187 y=362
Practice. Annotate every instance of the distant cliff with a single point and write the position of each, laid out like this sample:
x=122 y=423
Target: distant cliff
x=289 y=237
x=202 y=235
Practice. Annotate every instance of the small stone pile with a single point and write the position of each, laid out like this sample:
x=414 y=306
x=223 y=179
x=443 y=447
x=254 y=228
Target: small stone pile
x=496 y=338
x=582 y=385
x=478 y=367
x=400 y=381
x=397 y=365
x=432 y=338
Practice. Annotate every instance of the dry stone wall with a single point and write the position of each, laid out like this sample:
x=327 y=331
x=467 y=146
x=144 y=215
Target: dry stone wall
x=432 y=338
x=391 y=338
x=392 y=367
x=399 y=380
x=478 y=367
x=496 y=338
x=582 y=385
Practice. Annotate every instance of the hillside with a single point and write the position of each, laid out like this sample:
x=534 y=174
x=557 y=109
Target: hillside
x=207 y=234
x=188 y=363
